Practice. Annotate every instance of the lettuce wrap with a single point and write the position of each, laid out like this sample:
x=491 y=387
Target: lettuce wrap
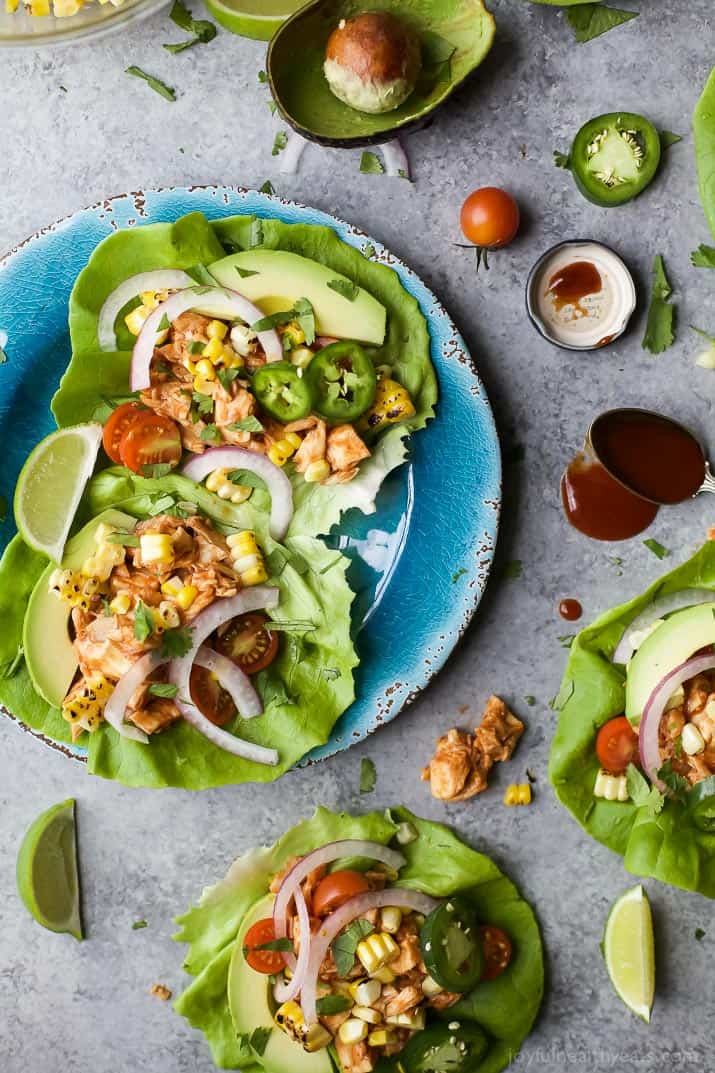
x=304 y=691
x=666 y=845
x=193 y=243
x=437 y=863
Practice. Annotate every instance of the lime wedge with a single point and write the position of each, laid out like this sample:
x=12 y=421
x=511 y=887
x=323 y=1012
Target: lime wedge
x=50 y=486
x=47 y=877
x=629 y=951
x=253 y=18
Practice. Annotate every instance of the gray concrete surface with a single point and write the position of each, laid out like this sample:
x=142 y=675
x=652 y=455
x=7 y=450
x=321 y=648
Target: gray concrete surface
x=74 y=129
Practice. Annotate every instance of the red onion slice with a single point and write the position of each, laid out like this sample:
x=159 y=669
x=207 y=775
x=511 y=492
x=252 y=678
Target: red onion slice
x=233 y=679
x=162 y=279
x=116 y=706
x=333 y=851
x=396 y=160
x=214 y=301
x=401 y=897
x=278 y=485
x=663 y=605
x=285 y=990
x=220 y=611
x=653 y=712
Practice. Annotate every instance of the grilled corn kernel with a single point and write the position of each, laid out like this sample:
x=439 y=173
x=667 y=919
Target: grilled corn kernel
x=156 y=547
x=205 y=369
x=611 y=787
x=390 y=919
x=376 y=950
x=247 y=557
x=301 y=356
x=294 y=332
x=317 y=471
x=186 y=596
x=103 y=532
x=215 y=479
x=276 y=456
x=316 y=1037
x=283 y=449
x=40 y=7
x=392 y=404
x=210 y=353
x=352 y=1031
x=383 y=975
x=242 y=339
x=172 y=586
x=231 y=359
x=135 y=320
x=167 y=616
x=381 y=1037
x=692 y=740
x=256 y=576
x=430 y=987
x=415 y=1021
x=366 y=1014
x=293 y=439
x=202 y=386
x=216 y=329
x=243 y=543
x=518 y=794
x=121 y=603
x=290 y=1018
x=11 y=6
x=365 y=992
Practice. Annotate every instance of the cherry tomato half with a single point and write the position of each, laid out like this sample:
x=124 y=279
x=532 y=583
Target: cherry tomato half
x=150 y=439
x=248 y=643
x=497 y=949
x=210 y=698
x=266 y=961
x=490 y=217
x=617 y=745
x=336 y=888
x=117 y=424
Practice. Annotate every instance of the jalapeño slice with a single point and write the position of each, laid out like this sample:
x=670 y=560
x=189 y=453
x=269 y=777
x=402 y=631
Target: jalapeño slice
x=455 y=1048
x=701 y=802
x=452 y=946
x=342 y=381
x=614 y=157
x=280 y=392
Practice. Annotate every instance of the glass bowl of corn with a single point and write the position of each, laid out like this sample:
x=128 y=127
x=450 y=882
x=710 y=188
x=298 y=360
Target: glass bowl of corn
x=43 y=22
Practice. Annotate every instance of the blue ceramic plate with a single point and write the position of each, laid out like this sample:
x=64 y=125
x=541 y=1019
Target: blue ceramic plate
x=419 y=565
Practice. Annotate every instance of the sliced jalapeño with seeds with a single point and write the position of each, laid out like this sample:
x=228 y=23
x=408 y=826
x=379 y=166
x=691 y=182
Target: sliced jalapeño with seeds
x=614 y=157
x=451 y=945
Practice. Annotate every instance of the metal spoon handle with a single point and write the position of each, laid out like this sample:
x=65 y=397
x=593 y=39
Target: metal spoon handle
x=708 y=484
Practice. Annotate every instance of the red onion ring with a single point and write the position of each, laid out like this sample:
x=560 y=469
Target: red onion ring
x=233 y=679
x=220 y=611
x=161 y=279
x=648 y=746
x=216 y=301
x=278 y=485
x=396 y=159
x=285 y=990
x=401 y=897
x=116 y=706
x=663 y=605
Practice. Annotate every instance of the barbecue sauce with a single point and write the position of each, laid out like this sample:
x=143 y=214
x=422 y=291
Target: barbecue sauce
x=598 y=505
x=572 y=283
x=570 y=609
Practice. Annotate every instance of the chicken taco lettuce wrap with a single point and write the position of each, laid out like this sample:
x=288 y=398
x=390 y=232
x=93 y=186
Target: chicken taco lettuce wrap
x=178 y=639
x=359 y=943
x=633 y=757
x=196 y=343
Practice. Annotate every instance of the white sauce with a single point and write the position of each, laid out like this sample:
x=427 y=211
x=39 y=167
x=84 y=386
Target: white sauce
x=596 y=318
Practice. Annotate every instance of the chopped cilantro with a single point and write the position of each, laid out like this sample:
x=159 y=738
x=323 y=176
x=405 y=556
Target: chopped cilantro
x=246 y=273
x=157 y=470
x=700 y=934
x=282 y=945
x=566 y=639
x=176 y=643
x=302 y=311
x=203 y=404
x=163 y=689
x=345 y=945
x=143 y=621
x=262 y=77
x=658 y=550
x=196 y=346
x=203 y=29
x=344 y=288
x=226 y=377
x=368 y=775
x=156 y=84
x=593 y=19
x=369 y=251
x=267 y=188
x=279 y=143
x=210 y=434
x=660 y=327
x=138 y=924
x=677 y=784
x=562 y=160
x=128 y=540
x=330 y=1004
x=370 y=164
x=246 y=424
x=258 y=1040
x=703 y=257
x=641 y=793
x=530 y=699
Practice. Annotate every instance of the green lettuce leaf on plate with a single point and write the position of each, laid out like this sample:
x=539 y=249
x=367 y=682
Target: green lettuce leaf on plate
x=92 y=377
x=304 y=691
x=667 y=846
x=437 y=862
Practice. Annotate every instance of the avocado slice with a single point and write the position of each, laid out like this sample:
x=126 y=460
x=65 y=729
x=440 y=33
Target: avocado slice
x=281 y=278
x=455 y=36
x=679 y=637
x=248 y=1002
x=49 y=653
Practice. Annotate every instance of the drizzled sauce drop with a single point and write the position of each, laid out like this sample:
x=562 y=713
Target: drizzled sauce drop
x=598 y=505
x=572 y=283
x=570 y=609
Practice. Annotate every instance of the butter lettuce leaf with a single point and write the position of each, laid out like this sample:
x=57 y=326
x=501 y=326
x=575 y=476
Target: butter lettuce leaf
x=665 y=846
x=437 y=862
x=704 y=137
x=301 y=701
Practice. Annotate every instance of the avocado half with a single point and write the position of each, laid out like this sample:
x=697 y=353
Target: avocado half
x=455 y=36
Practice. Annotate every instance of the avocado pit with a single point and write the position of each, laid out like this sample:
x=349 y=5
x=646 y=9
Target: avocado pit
x=372 y=62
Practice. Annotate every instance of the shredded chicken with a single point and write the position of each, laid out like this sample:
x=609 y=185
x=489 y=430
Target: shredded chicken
x=344 y=451
x=462 y=761
x=160 y=991
x=696 y=709
x=313 y=447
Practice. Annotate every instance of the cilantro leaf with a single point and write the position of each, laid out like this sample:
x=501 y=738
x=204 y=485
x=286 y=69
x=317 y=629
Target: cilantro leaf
x=699 y=934
x=677 y=784
x=203 y=404
x=180 y=15
x=267 y=188
x=642 y=793
x=368 y=775
x=246 y=273
x=591 y=20
x=703 y=257
x=279 y=143
x=163 y=689
x=156 y=84
x=226 y=377
x=210 y=434
x=258 y=1040
x=566 y=639
x=262 y=77
x=330 y=1004
x=138 y=924
x=530 y=699
x=345 y=945
x=660 y=328
x=176 y=643
x=370 y=164
x=344 y=288
x=658 y=550
x=247 y=424
x=302 y=311
x=562 y=160
x=158 y=469
x=143 y=621
x=273 y=944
